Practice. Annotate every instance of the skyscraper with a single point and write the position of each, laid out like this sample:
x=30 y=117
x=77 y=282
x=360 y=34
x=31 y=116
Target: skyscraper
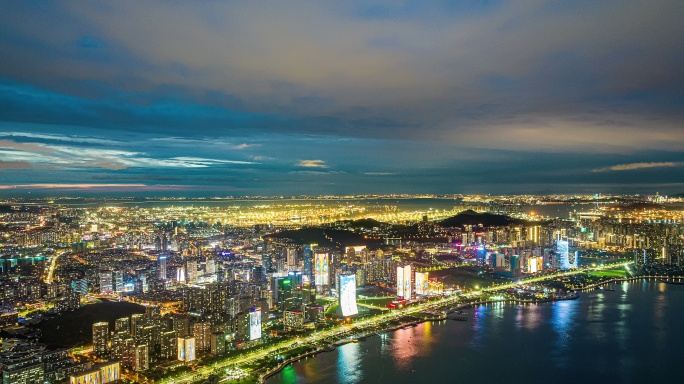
x=142 y=358
x=101 y=338
x=162 y=267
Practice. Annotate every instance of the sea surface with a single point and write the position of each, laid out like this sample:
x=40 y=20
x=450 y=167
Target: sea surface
x=632 y=335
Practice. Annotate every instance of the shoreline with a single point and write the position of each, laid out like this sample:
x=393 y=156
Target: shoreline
x=332 y=347
x=262 y=378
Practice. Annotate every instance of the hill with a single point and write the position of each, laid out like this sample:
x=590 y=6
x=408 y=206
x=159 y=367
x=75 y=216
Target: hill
x=470 y=217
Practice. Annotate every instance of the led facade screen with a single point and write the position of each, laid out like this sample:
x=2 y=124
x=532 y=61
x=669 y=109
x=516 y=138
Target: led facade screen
x=348 y=295
x=400 y=281
x=563 y=256
x=422 y=283
x=321 y=276
x=255 y=323
x=404 y=288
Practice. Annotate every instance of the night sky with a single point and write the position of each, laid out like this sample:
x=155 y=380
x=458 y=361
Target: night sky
x=340 y=97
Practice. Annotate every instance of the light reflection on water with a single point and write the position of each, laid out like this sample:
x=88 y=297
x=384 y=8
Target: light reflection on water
x=631 y=335
x=348 y=364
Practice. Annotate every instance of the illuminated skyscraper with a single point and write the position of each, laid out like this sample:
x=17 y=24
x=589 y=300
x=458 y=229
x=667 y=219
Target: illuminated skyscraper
x=292 y=259
x=106 y=282
x=404 y=282
x=162 y=267
x=186 y=348
x=347 y=294
x=101 y=338
x=122 y=325
x=421 y=283
x=142 y=358
x=254 y=323
x=321 y=271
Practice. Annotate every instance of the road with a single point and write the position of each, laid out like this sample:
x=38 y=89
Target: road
x=52 y=267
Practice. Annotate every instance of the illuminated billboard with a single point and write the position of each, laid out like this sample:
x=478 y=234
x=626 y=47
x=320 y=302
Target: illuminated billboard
x=321 y=275
x=348 y=294
x=404 y=282
x=563 y=255
x=422 y=283
x=186 y=348
x=532 y=265
x=254 y=323
x=400 y=281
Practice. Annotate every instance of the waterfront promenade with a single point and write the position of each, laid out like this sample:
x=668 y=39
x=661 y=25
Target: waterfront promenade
x=288 y=351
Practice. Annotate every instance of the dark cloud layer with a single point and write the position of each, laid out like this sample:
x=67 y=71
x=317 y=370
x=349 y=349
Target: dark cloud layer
x=344 y=97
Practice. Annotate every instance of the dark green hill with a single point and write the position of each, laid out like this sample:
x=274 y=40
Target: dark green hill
x=473 y=218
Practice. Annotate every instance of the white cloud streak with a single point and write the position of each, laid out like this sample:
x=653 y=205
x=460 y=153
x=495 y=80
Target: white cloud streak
x=636 y=166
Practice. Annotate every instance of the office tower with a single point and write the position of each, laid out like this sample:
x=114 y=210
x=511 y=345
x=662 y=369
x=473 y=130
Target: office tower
x=106 y=282
x=308 y=259
x=118 y=281
x=101 y=338
x=291 y=259
x=162 y=267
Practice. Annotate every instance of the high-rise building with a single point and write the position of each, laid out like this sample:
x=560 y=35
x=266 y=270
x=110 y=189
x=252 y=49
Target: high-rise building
x=347 y=294
x=202 y=334
x=218 y=343
x=122 y=324
x=80 y=286
x=169 y=345
x=421 y=283
x=404 y=282
x=101 y=374
x=101 y=338
x=162 y=266
x=142 y=358
x=293 y=320
x=562 y=253
x=186 y=348
x=321 y=270
x=118 y=281
x=291 y=259
x=106 y=285
x=191 y=273
x=137 y=324
x=308 y=259
x=254 y=323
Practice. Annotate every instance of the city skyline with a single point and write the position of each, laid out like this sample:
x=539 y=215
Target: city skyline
x=245 y=99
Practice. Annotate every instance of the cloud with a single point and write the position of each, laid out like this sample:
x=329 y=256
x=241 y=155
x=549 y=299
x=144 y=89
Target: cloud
x=312 y=164
x=15 y=165
x=635 y=166
x=54 y=137
x=316 y=172
x=113 y=159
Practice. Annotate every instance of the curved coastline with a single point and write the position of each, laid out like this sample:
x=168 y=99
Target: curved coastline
x=333 y=346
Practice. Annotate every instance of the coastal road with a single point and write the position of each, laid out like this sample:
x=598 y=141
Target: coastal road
x=349 y=330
